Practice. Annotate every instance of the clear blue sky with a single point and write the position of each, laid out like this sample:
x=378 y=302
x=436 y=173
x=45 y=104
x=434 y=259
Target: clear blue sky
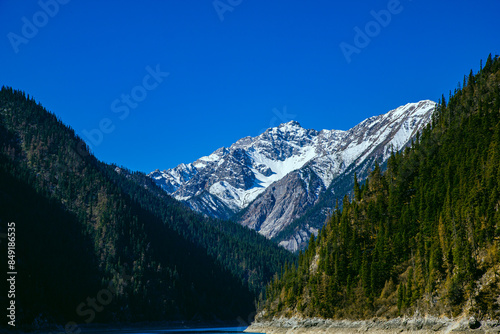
x=235 y=69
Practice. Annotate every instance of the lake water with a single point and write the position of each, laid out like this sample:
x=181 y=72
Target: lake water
x=217 y=330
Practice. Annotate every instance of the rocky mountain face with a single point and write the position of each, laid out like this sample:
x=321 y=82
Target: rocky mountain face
x=284 y=182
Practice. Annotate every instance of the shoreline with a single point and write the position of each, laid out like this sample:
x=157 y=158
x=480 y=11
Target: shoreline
x=421 y=325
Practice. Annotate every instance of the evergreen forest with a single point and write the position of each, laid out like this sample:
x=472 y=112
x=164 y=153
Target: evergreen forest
x=97 y=243
x=421 y=237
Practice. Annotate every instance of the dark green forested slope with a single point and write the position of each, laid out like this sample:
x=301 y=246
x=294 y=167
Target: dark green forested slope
x=424 y=235
x=243 y=251
x=87 y=230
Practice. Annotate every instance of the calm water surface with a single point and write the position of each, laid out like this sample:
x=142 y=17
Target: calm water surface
x=216 y=330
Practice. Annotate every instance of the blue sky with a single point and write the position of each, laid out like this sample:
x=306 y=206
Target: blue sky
x=152 y=84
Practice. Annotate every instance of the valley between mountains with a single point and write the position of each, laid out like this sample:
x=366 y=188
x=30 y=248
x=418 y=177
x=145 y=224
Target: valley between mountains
x=284 y=183
x=406 y=206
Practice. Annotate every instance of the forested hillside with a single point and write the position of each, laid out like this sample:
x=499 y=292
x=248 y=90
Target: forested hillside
x=424 y=235
x=84 y=227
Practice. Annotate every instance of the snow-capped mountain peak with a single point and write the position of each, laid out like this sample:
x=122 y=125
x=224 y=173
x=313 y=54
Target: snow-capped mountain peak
x=228 y=180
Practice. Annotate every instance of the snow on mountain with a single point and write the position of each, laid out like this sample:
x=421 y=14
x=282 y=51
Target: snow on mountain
x=277 y=175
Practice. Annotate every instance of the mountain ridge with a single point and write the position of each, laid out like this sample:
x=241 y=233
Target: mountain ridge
x=239 y=177
x=67 y=204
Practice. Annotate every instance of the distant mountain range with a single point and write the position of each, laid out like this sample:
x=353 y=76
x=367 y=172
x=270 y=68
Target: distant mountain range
x=285 y=182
